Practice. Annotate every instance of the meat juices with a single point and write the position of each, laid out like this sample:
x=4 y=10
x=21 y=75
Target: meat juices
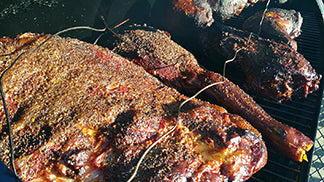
x=178 y=68
x=82 y=112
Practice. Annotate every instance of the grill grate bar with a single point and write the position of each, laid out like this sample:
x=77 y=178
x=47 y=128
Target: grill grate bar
x=286 y=113
x=309 y=44
x=279 y=175
x=311 y=33
x=293 y=108
x=304 y=105
x=255 y=179
x=283 y=165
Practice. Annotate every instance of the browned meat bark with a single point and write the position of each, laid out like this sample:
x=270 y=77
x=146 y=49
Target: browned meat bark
x=202 y=10
x=178 y=68
x=82 y=112
x=273 y=70
x=280 y=25
x=203 y=14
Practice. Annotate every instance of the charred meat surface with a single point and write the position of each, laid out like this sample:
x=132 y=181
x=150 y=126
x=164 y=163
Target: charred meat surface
x=203 y=13
x=178 y=68
x=82 y=112
x=203 y=10
x=272 y=69
x=279 y=24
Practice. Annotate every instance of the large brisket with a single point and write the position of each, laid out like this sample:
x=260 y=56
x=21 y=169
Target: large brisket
x=82 y=112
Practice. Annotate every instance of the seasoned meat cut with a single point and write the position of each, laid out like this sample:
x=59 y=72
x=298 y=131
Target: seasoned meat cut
x=279 y=24
x=178 y=68
x=82 y=112
x=272 y=69
x=203 y=10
